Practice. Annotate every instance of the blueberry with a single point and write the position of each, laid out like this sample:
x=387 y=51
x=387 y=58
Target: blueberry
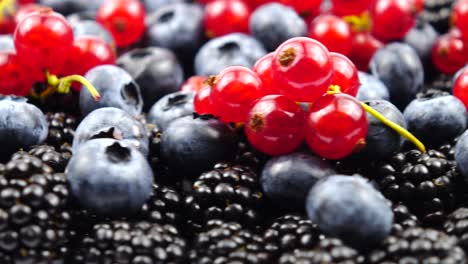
x=109 y=178
x=91 y=28
x=155 y=5
x=178 y=27
x=66 y=7
x=117 y=89
x=110 y=122
x=275 y=23
x=436 y=120
x=371 y=88
x=233 y=49
x=461 y=154
x=7 y=43
x=171 y=107
x=191 y=145
x=21 y=125
x=350 y=208
x=287 y=179
x=382 y=141
x=156 y=70
x=400 y=69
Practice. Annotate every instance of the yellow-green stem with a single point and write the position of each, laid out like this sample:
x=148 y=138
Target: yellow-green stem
x=63 y=84
x=334 y=89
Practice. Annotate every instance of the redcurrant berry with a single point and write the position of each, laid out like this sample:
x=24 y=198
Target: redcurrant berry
x=234 y=90
x=336 y=125
x=193 y=84
x=347 y=8
x=87 y=53
x=459 y=16
x=302 y=69
x=392 y=19
x=345 y=74
x=226 y=16
x=263 y=69
x=364 y=45
x=202 y=101
x=43 y=40
x=333 y=32
x=449 y=53
x=460 y=87
x=274 y=125
x=307 y=9
x=14 y=78
x=125 y=19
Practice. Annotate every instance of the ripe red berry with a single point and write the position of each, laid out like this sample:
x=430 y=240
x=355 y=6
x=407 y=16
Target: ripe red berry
x=43 y=40
x=226 y=16
x=364 y=45
x=233 y=91
x=392 y=19
x=202 y=101
x=125 y=19
x=336 y=125
x=274 y=125
x=449 y=53
x=263 y=69
x=345 y=74
x=333 y=32
x=347 y=8
x=460 y=87
x=306 y=9
x=87 y=53
x=302 y=69
x=193 y=84
x=14 y=77
x=459 y=16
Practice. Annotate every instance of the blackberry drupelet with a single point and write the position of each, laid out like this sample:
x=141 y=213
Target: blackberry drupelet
x=48 y=155
x=34 y=220
x=228 y=192
x=457 y=225
x=328 y=250
x=437 y=13
x=418 y=245
x=426 y=183
x=61 y=128
x=290 y=232
x=403 y=218
x=228 y=242
x=130 y=242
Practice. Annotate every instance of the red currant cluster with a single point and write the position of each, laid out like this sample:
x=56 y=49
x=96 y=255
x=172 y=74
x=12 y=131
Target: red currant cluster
x=270 y=100
x=450 y=51
x=45 y=46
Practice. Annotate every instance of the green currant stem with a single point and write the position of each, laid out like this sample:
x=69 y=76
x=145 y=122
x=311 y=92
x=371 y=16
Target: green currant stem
x=359 y=23
x=334 y=89
x=63 y=84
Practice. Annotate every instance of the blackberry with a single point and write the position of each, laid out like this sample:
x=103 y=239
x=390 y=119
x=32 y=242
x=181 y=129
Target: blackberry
x=418 y=245
x=403 y=218
x=230 y=193
x=48 y=155
x=130 y=242
x=328 y=250
x=290 y=232
x=61 y=128
x=228 y=242
x=34 y=220
x=426 y=183
x=457 y=225
x=437 y=13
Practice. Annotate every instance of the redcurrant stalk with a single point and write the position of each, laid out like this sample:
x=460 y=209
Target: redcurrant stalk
x=359 y=23
x=62 y=85
x=333 y=89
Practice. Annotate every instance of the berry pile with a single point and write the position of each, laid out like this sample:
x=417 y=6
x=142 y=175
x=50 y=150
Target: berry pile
x=233 y=131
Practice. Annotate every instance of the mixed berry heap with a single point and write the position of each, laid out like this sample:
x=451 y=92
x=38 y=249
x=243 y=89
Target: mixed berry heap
x=233 y=131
